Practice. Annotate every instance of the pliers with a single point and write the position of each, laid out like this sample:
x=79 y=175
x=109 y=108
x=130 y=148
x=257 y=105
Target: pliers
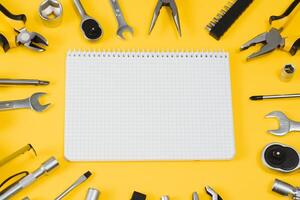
x=13 y=32
x=273 y=39
x=172 y=5
x=213 y=194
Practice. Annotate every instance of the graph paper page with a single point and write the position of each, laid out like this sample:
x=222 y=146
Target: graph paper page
x=125 y=106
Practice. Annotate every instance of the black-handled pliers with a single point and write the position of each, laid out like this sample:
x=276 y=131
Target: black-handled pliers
x=13 y=32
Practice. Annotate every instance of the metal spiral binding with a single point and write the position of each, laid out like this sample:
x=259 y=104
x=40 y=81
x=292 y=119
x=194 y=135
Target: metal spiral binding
x=147 y=54
x=220 y=15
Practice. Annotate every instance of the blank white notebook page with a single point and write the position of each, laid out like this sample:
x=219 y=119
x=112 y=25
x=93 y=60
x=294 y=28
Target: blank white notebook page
x=125 y=106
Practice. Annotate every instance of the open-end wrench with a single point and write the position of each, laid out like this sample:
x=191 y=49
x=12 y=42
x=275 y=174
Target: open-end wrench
x=285 y=124
x=31 y=103
x=89 y=26
x=122 y=25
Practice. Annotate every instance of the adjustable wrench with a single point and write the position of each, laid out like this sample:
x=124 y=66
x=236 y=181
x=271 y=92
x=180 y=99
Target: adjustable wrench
x=122 y=25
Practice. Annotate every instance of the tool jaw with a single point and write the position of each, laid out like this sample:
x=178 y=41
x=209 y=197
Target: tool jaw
x=123 y=29
x=159 y=5
x=270 y=40
x=31 y=40
x=214 y=195
x=284 y=123
x=172 y=5
x=35 y=104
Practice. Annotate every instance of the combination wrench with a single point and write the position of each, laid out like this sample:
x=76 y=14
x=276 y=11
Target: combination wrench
x=285 y=124
x=31 y=103
x=122 y=25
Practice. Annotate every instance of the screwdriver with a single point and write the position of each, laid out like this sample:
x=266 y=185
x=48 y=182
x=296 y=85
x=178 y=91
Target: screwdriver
x=23 y=82
x=277 y=96
x=79 y=181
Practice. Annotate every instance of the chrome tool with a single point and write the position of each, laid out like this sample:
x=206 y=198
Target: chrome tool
x=286 y=189
x=287 y=72
x=23 y=82
x=89 y=26
x=172 y=5
x=16 y=34
x=31 y=103
x=46 y=167
x=285 y=124
x=280 y=157
x=164 y=197
x=51 y=11
x=92 y=194
x=122 y=25
x=195 y=196
x=274 y=39
x=79 y=181
x=214 y=195
x=275 y=96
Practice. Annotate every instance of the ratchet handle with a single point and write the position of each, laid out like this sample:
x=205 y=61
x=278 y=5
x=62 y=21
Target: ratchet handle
x=80 y=8
x=118 y=13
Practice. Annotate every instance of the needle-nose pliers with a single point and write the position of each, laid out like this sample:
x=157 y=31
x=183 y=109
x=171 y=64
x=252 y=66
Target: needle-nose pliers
x=172 y=5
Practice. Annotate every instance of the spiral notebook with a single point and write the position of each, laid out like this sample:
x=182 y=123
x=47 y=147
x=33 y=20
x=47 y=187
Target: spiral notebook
x=143 y=106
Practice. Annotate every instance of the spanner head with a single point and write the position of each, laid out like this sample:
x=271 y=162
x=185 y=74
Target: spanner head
x=284 y=123
x=122 y=30
x=35 y=104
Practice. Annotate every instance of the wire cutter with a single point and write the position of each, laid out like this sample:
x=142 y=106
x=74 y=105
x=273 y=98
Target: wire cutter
x=13 y=32
x=273 y=39
x=172 y=5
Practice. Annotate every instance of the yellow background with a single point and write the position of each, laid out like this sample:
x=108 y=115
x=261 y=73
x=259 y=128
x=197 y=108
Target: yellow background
x=242 y=178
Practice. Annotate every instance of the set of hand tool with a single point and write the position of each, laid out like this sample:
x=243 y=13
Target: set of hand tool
x=13 y=33
x=27 y=178
x=278 y=156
